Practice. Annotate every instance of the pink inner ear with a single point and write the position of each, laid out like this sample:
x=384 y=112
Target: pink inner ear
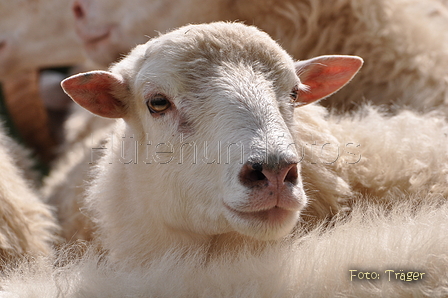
x=325 y=75
x=96 y=92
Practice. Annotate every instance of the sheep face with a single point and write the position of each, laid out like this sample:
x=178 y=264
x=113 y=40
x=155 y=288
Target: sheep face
x=220 y=100
x=109 y=28
x=28 y=32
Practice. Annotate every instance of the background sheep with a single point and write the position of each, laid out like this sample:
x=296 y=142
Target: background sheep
x=29 y=119
x=27 y=226
x=404 y=49
x=36 y=34
x=65 y=186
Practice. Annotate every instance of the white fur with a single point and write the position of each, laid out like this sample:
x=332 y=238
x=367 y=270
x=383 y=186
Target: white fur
x=405 y=237
x=369 y=151
x=64 y=187
x=406 y=152
x=27 y=225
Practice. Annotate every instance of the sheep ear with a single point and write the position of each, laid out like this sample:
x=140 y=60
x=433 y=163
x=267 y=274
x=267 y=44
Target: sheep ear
x=98 y=92
x=324 y=75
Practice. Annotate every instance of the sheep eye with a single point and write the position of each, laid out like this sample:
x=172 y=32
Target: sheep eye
x=158 y=104
x=294 y=94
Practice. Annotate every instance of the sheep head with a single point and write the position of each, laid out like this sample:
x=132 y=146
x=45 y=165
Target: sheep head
x=223 y=96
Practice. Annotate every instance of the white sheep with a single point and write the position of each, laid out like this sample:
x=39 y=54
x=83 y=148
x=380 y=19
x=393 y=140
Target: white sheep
x=247 y=178
x=27 y=225
x=172 y=150
x=379 y=171
x=405 y=52
x=402 y=47
x=340 y=159
x=180 y=217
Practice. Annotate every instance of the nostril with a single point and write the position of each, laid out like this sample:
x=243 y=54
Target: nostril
x=293 y=174
x=251 y=174
x=257 y=167
x=256 y=176
x=78 y=10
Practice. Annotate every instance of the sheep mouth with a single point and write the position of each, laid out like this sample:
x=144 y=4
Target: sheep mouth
x=274 y=216
x=91 y=40
x=97 y=39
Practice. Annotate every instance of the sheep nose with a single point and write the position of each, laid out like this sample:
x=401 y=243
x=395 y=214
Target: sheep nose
x=262 y=175
x=78 y=10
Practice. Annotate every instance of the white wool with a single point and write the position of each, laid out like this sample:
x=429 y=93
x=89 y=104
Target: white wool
x=370 y=151
x=64 y=188
x=407 y=151
x=404 y=237
x=27 y=225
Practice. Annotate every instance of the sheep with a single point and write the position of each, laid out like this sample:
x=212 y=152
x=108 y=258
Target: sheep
x=159 y=212
x=250 y=119
x=27 y=225
x=403 y=48
x=336 y=147
x=37 y=34
x=329 y=181
x=390 y=30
